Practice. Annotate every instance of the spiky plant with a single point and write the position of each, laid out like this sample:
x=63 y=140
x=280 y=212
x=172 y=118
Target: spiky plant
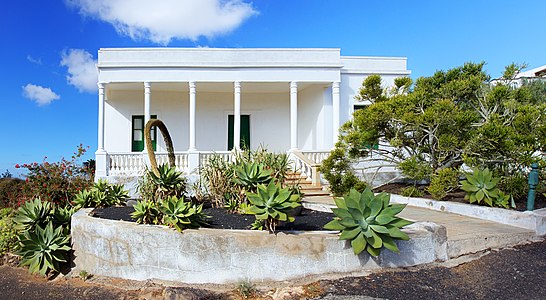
x=169 y=182
x=181 y=215
x=43 y=249
x=146 y=212
x=250 y=175
x=272 y=204
x=31 y=214
x=480 y=185
x=368 y=221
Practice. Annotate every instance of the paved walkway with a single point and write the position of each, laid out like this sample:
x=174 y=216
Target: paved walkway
x=465 y=234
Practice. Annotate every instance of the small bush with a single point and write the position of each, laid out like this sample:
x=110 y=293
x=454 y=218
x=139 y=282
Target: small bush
x=443 y=182
x=10 y=191
x=515 y=185
x=56 y=182
x=412 y=191
x=8 y=233
x=102 y=194
x=338 y=172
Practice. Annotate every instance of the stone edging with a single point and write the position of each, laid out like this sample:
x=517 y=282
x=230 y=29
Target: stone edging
x=532 y=220
x=140 y=252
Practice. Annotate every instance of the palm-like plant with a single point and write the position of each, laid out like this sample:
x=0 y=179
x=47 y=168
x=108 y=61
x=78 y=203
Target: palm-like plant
x=368 y=221
x=43 y=249
x=272 y=204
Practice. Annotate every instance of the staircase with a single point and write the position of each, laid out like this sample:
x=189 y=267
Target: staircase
x=307 y=187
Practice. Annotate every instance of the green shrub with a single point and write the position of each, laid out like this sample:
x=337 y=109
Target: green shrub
x=411 y=191
x=272 y=204
x=443 y=182
x=217 y=176
x=8 y=233
x=338 y=172
x=33 y=214
x=368 y=221
x=43 y=249
x=515 y=185
x=169 y=183
x=480 y=185
x=415 y=168
x=10 y=191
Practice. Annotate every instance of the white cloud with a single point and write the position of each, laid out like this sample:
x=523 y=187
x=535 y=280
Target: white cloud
x=82 y=70
x=39 y=94
x=160 y=21
x=36 y=61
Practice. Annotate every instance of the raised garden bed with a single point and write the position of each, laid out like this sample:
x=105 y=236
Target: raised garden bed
x=222 y=219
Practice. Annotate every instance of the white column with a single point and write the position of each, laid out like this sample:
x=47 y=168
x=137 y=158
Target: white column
x=335 y=110
x=100 y=144
x=192 y=116
x=293 y=115
x=237 y=115
x=147 y=101
x=101 y=157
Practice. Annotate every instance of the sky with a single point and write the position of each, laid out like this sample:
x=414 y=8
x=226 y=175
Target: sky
x=48 y=94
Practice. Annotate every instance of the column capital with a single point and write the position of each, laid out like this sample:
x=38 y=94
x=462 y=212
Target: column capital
x=293 y=84
x=147 y=86
x=191 y=84
x=335 y=86
x=237 y=85
x=102 y=85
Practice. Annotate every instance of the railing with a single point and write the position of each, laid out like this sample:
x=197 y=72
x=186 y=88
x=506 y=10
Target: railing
x=205 y=156
x=125 y=163
x=180 y=159
x=131 y=164
x=306 y=166
x=316 y=156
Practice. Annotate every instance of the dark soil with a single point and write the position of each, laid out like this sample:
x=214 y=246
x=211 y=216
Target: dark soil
x=222 y=219
x=458 y=195
x=518 y=273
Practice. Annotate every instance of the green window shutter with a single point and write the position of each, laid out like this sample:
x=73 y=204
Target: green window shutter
x=137 y=135
x=245 y=132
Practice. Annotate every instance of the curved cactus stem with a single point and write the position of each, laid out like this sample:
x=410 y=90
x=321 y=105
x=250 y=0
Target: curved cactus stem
x=149 y=146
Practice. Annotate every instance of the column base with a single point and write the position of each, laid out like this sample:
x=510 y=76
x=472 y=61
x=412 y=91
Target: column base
x=101 y=164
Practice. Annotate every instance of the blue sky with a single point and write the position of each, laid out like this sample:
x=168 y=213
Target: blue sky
x=48 y=94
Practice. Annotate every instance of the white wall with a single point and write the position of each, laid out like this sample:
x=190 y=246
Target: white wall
x=269 y=118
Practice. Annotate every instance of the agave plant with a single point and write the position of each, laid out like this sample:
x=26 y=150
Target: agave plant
x=146 y=212
x=272 y=204
x=169 y=182
x=62 y=216
x=117 y=194
x=84 y=199
x=43 y=249
x=250 y=175
x=32 y=214
x=368 y=221
x=481 y=185
x=181 y=215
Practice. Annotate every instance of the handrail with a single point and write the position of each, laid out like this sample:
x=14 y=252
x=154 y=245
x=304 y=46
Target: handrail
x=307 y=166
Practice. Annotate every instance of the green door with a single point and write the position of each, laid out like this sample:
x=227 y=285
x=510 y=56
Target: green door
x=138 y=133
x=245 y=132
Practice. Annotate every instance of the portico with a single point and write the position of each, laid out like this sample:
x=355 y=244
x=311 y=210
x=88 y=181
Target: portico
x=213 y=100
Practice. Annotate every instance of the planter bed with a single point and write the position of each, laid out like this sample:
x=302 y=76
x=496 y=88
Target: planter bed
x=222 y=219
x=207 y=255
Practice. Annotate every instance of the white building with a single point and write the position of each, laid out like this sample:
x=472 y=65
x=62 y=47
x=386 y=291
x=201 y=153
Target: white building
x=285 y=99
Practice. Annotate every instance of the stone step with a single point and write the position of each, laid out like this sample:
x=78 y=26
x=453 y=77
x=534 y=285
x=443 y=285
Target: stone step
x=319 y=192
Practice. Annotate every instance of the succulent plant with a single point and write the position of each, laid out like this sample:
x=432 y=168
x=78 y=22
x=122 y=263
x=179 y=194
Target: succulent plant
x=31 y=214
x=169 y=182
x=83 y=199
x=43 y=249
x=480 y=185
x=272 y=204
x=146 y=212
x=181 y=215
x=250 y=175
x=102 y=194
x=63 y=215
x=368 y=221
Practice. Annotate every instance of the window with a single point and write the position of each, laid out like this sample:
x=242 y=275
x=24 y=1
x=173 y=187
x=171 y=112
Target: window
x=138 y=133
